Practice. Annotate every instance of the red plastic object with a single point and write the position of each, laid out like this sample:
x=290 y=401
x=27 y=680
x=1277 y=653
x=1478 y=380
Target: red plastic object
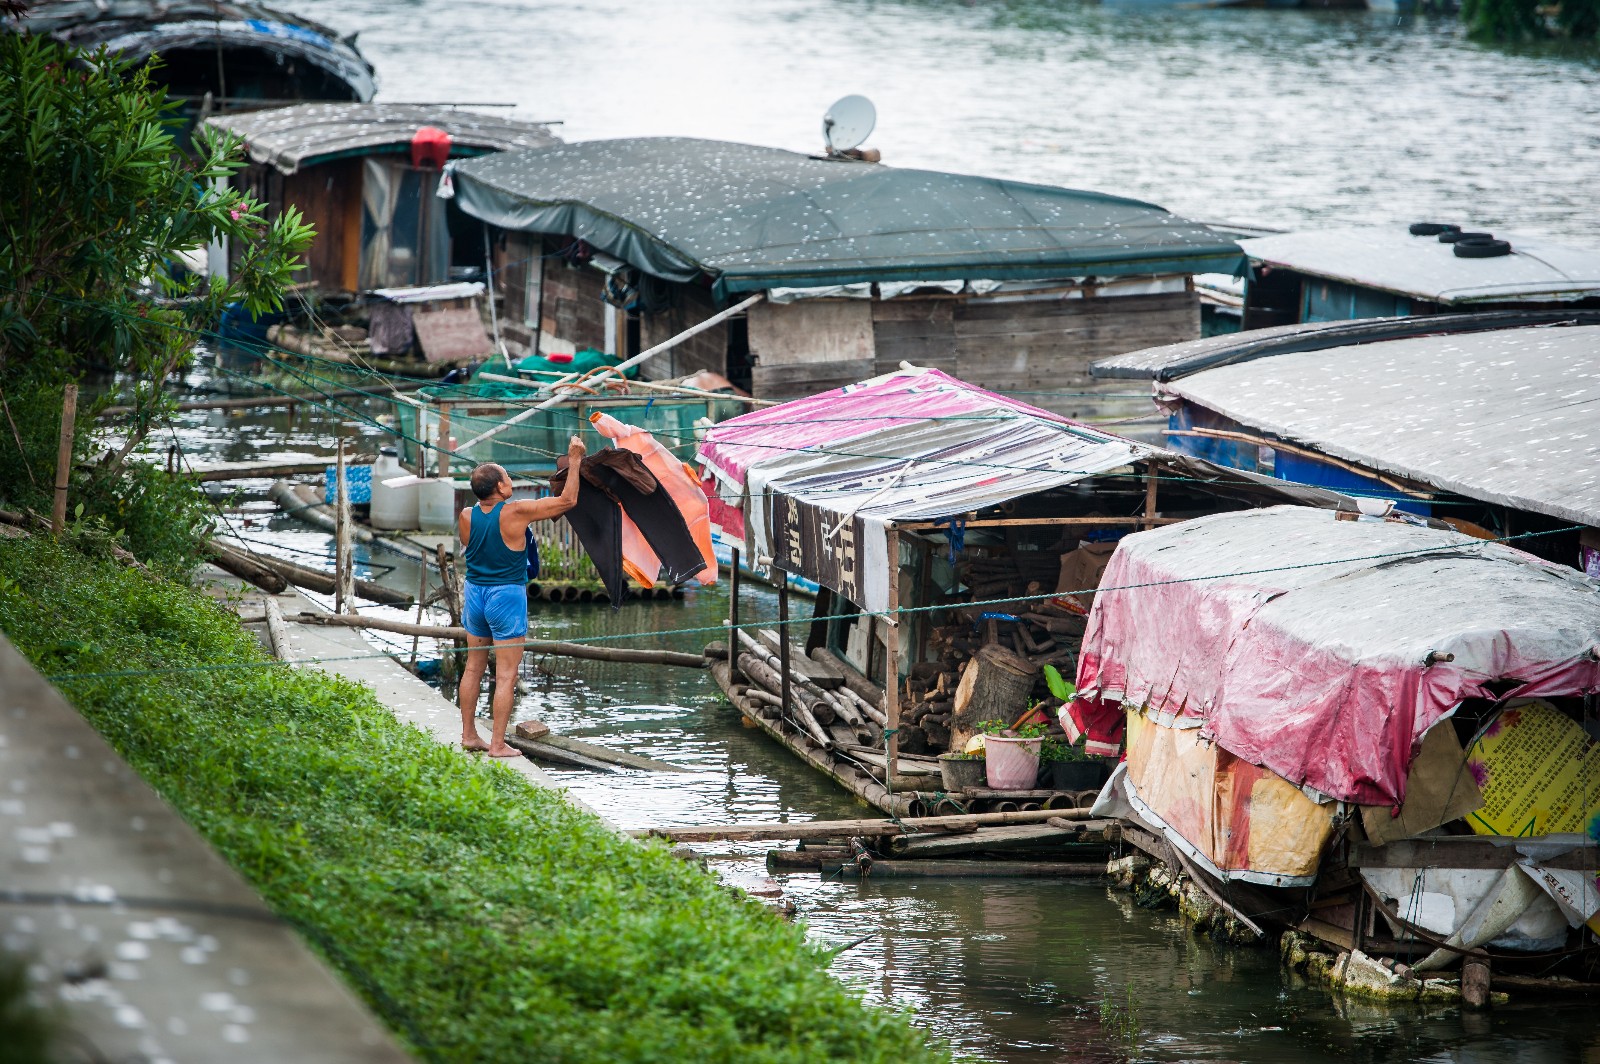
x=430 y=147
x=560 y=358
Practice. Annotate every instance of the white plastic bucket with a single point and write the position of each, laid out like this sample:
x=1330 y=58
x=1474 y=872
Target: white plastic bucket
x=393 y=507
x=1012 y=764
x=436 y=504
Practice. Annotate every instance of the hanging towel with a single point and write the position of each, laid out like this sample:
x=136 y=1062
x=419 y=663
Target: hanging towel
x=677 y=478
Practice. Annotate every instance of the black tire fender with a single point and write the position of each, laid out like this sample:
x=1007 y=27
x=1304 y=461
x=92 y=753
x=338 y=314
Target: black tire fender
x=1456 y=235
x=1482 y=249
x=1432 y=228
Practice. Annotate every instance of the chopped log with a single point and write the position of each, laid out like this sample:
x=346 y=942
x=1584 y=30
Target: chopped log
x=1475 y=980
x=247 y=566
x=833 y=829
x=813 y=672
x=811 y=858
x=937 y=728
x=913 y=740
x=717 y=651
x=868 y=709
x=982 y=869
x=803 y=715
x=995 y=685
x=277 y=631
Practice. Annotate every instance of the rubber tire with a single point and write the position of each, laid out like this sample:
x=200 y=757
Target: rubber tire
x=1482 y=249
x=1456 y=235
x=1432 y=228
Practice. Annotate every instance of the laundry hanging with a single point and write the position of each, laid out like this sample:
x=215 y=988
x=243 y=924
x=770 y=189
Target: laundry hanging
x=628 y=523
x=675 y=476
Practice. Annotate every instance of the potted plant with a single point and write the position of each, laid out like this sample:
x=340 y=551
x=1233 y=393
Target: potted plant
x=1064 y=766
x=960 y=770
x=1011 y=756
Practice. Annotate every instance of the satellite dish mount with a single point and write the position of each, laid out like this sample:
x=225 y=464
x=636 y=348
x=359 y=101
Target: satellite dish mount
x=848 y=122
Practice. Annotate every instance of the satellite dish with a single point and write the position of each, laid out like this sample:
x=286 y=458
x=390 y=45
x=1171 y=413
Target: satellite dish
x=848 y=123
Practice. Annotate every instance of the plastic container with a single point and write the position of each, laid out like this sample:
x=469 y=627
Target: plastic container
x=1074 y=775
x=358 y=478
x=1013 y=764
x=393 y=507
x=436 y=503
x=959 y=773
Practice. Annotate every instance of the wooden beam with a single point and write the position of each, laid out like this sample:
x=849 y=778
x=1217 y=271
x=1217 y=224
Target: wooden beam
x=832 y=829
x=1459 y=851
x=891 y=658
x=532 y=646
x=977 y=868
x=1012 y=522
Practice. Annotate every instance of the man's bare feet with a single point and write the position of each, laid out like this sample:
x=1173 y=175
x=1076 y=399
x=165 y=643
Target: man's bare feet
x=504 y=751
x=472 y=742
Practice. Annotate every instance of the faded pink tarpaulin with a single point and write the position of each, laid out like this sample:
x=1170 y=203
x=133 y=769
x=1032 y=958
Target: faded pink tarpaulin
x=733 y=446
x=1309 y=651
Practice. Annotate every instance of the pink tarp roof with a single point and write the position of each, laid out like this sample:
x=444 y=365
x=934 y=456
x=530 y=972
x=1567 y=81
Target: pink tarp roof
x=847 y=413
x=1309 y=652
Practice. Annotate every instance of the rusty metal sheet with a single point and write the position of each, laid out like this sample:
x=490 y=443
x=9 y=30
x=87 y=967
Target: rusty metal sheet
x=451 y=334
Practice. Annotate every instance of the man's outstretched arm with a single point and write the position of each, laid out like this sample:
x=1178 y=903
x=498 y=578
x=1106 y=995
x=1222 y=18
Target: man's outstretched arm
x=532 y=510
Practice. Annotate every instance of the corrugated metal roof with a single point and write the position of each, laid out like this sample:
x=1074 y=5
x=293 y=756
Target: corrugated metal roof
x=1391 y=259
x=1508 y=417
x=756 y=218
x=288 y=138
x=1314 y=658
x=1172 y=361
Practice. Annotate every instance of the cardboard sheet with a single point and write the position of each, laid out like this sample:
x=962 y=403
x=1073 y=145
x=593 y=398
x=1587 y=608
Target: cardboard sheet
x=1440 y=788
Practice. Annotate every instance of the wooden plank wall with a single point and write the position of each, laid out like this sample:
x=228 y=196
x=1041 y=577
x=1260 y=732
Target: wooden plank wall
x=329 y=196
x=807 y=347
x=708 y=350
x=572 y=308
x=512 y=261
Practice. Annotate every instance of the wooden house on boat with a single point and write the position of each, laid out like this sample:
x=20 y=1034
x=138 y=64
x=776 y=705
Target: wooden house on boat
x=1423 y=269
x=395 y=275
x=957 y=535
x=1382 y=737
x=215 y=55
x=835 y=269
x=1489 y=429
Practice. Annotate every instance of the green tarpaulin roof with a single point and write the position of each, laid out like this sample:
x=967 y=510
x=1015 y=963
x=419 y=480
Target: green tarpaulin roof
x=753 y=218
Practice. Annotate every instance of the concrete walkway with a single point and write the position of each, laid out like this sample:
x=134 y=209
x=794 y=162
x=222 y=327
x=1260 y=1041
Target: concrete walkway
x=157 y=950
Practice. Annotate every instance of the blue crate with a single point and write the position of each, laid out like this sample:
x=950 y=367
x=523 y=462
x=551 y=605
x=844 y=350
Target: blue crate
x=359 y=479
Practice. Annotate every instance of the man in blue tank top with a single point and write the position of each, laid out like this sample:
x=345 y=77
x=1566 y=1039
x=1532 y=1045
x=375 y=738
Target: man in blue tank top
x=495 y=606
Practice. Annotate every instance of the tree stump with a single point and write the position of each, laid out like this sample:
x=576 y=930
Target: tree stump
x=994 y=686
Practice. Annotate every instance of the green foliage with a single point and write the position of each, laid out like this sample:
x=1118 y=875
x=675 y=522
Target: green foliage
x=1053 y=749
x=96 y=201
x=1121 y=1019
x=26 y=1031
x=1502 y=21
x=1059 y=686
x=1025 y=731
x=483 y=918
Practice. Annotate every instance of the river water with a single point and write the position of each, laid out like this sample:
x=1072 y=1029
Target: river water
x=1272 y=117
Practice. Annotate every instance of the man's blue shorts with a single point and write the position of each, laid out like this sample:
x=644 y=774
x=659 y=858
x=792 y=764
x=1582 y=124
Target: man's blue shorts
x=496 y=611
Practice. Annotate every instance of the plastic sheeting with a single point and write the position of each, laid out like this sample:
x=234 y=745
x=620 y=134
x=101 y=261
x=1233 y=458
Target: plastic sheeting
x=135 y=29
x=823 y=476
x=1390 y=259
x=1511 y=418
x=1300 y=643
x=287 y=138
x=752 y=218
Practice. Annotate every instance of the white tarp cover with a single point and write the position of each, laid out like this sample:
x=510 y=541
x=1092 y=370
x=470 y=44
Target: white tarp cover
x=1510 y=417
x=1388 y=257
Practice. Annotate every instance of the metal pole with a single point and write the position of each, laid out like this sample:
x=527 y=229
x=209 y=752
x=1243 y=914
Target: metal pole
x=733 y=617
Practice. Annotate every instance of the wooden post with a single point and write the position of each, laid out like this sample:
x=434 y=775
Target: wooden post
x=733 y=615
x=422 y=596
x=444 y=440
x=891 y=659
x=344 y=570
x=1151 y=468
x=783 y=640
x=69 y=417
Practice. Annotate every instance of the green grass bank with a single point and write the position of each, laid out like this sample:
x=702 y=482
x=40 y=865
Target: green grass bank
x=482 y=918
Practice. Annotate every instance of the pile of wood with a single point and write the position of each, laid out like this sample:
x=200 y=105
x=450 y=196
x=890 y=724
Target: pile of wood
x=829 y=711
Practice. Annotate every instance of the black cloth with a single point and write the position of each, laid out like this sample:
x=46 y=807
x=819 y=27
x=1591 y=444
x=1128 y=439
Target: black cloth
x=621 y=479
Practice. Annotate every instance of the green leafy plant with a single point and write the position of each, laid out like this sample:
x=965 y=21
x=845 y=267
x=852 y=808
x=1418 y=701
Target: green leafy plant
x=482 y=918
x=1121 y=1018
x=1058 y=750
x=96 y=202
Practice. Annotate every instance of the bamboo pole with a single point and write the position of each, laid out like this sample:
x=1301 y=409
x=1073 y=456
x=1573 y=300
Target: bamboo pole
x=981 y=869
x=843 y=829
x=277 y=631
x=344 y=570
x=533 y=646
x=733 y=614
x=69 y=417
x=265 y=401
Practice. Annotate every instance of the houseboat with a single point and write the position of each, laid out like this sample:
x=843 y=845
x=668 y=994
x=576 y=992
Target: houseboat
x=1489 y=429
x=835 y=269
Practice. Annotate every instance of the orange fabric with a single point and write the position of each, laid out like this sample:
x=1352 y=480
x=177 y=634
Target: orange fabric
x=680 y=483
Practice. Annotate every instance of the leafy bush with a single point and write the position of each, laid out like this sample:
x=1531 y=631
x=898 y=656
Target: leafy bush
x=483 y=918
